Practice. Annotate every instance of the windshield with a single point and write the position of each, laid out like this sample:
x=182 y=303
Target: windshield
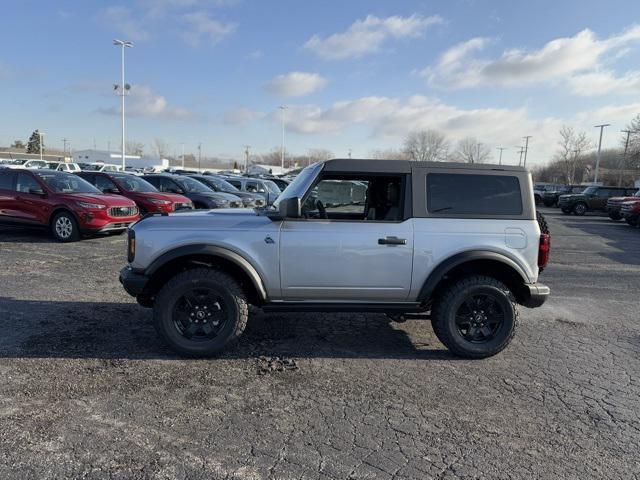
x=131 y=183
x=300 y=184
x=61 y=182
x=590 y=190
x=222 y=185
x=272 y=187
x=190 y=185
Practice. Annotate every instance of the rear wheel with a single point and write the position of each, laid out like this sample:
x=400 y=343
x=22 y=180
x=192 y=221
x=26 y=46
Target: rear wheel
x=632 y=221
x=615 y=216
x=200 y=311
x=64 y=227
x=476 y=317
x=580 y=209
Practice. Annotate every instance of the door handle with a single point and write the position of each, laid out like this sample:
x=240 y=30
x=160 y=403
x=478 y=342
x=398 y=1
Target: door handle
x=392 y=241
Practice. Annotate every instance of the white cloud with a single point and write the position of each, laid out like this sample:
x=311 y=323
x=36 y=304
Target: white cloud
x=142 y=102
x=368 y=35
x=125 y=22
x=558 y=59
x=241 y=116
x=296 y=84
x=602 y=82
x=202 y=27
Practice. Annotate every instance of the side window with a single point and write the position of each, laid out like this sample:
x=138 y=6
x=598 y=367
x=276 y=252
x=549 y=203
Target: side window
x=6 y=180
x=252 y=186
x=153 y=181
x=236 y=184
x=166 y=185
x=375 y=199
x=89 y=178
x=25 y=183
x=103 y=183
x=466 y=194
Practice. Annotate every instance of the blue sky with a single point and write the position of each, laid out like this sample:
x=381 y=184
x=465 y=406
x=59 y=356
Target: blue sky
x=355 y=75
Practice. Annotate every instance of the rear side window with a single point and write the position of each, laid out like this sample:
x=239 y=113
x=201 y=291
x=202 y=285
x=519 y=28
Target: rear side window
x=463 y=194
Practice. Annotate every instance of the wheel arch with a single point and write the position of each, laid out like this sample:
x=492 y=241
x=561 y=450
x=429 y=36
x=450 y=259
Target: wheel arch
x=61 y=208
x=192 y=256
x=487 y=263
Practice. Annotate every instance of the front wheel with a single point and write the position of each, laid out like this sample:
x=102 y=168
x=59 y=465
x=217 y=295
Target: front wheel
x=65 y=228
x=476 y=317
x=580 y=209
x=200 y=311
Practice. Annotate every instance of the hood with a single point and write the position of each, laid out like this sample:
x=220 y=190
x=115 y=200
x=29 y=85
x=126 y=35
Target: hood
x=228 y=196
x=108 y=200
x=172 y=197
x=218 y=219
x=571 y=195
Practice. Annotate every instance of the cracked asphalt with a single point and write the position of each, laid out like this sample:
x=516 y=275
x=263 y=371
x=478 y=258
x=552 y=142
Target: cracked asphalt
x=88 y=391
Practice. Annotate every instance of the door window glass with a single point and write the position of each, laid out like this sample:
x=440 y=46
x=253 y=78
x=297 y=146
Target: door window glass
x=6 y=180
x=25 y=183
x=103 y=183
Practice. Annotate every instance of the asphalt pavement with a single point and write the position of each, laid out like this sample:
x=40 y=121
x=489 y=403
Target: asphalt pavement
x=88 y=391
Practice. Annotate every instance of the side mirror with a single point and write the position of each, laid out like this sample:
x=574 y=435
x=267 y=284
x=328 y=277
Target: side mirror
x=290 y=208
x=110 y=190
x=36 y=191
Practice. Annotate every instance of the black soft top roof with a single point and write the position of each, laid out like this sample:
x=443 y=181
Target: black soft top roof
x=405 y=166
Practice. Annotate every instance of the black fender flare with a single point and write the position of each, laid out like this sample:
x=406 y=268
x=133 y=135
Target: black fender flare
x=214 y=251
x=450 y=263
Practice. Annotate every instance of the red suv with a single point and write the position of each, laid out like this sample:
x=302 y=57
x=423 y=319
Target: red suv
x=63 y=202
x=146 y=196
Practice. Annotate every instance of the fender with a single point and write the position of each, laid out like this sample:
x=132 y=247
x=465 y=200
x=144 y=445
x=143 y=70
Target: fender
x=447 y=265
x=204 y=249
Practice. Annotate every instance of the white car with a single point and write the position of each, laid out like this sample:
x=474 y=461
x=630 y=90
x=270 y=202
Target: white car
x=64 y=167
x=100 y=167
x=28 y=164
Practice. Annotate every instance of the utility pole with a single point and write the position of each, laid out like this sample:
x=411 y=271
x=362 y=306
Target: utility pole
x=349 y=153
x=501 y=149
x=526 y=149
x=64 y=146
x=123 y=89
x=601 y=127
x=182 y=156
x=282 y=108
x=199 y=155
x=623 y=162
x=521 y=151
x=246 y=158
x=40 y=135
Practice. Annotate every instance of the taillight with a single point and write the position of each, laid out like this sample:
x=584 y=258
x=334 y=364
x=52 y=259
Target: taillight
x=543 y=250
x=131 y=245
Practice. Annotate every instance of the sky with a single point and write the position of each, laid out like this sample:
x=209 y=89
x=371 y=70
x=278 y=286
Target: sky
x=354 y=75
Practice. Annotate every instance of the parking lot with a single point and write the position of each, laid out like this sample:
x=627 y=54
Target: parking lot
x=88 y=391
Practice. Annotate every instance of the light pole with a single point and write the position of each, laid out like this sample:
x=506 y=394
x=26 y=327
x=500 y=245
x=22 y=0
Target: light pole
x=282 y=108
x=199 y=156
x=601 y=127
x=501 y=149
x=64 y=146
x=182 y=145
x=526 y=149
x=40 y=134
x=623 y=162
x=246 y=158
x=521 y=151
x=124 y=89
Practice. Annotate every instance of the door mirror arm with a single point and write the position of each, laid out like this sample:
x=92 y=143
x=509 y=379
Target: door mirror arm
x=288 y=208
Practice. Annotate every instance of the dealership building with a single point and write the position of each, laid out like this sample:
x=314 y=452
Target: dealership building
x=115 y=158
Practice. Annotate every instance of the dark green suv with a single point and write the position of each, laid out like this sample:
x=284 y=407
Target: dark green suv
x=592 y=198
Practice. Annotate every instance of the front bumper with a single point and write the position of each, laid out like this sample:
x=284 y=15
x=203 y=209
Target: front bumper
x=133 y=282
x=537 y=295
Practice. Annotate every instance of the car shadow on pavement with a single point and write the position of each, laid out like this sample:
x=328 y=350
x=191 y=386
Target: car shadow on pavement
x=51 y=329
x=10 y=234
x=622 y=238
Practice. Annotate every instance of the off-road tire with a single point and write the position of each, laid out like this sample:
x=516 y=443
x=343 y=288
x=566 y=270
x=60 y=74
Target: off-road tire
x=633 y=222
x=229 y=291
x=615 y=217
x=444 y=311
x=580 y=209
x=542 y=223
x=62 y=223
x=566 y=211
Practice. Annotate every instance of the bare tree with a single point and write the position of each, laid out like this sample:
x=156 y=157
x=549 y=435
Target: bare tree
x=133 y=147
x=161 y=147
x=318 y=155
x=571 y=147
x=469 y=150
x=388 y=154
x=426 y=146
x=633 y=150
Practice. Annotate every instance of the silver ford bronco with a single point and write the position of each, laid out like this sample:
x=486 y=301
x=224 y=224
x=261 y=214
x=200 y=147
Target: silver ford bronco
x=459 y=241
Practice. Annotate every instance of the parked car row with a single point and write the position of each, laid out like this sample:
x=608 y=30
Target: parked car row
x=618 y=202
x=89 y=202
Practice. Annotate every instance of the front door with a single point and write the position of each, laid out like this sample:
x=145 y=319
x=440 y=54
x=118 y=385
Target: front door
x=354 y=243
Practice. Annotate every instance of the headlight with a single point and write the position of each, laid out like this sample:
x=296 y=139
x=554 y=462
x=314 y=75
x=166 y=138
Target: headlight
x=248 y=202
x=220 y=203
x=92 y=206
x=157 y=201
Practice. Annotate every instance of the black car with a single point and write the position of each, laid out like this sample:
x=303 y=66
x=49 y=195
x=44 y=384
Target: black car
x=201 y=195
x=550 y=197
x=218 y=184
